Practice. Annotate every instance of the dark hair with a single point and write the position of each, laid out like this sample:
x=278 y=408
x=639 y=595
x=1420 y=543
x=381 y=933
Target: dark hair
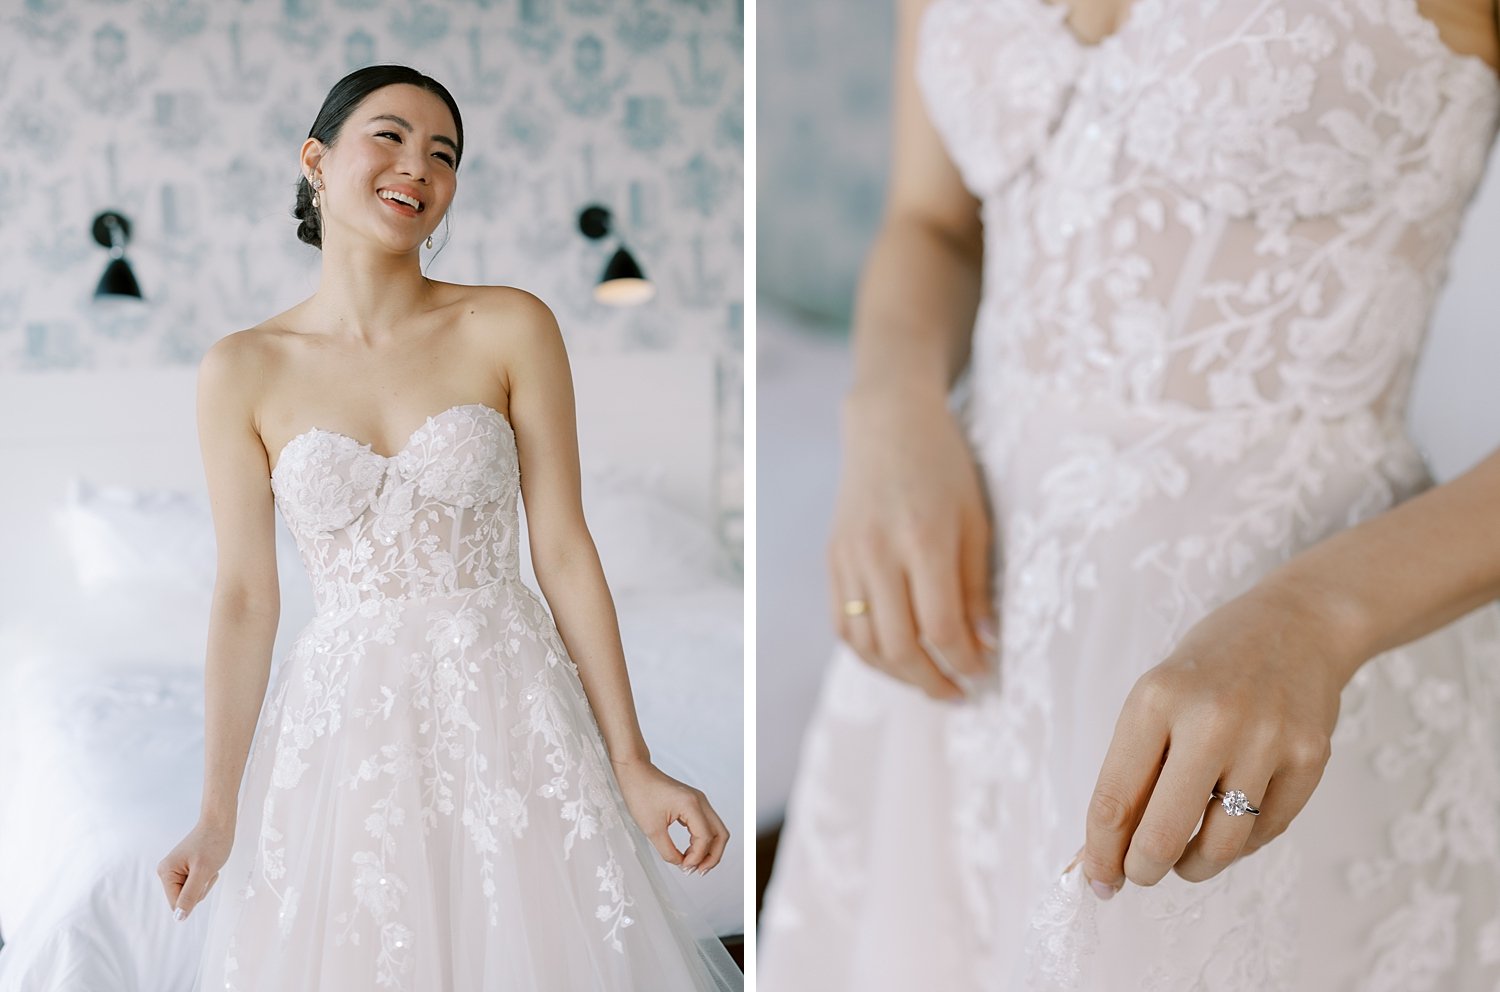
x=347 y=94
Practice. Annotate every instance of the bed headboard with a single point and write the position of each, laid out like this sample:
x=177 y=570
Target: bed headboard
x=138 y=427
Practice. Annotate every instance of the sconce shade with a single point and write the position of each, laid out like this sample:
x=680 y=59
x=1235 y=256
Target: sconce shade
x=623 y=282
x=118 y=280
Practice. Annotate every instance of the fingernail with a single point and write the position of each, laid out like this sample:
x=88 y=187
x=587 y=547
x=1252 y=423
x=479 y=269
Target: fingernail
x=988 y=631
x=179 y=914
x=1102 y=890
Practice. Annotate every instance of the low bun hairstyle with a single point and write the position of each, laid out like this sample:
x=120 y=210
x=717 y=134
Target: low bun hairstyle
x=345 y=95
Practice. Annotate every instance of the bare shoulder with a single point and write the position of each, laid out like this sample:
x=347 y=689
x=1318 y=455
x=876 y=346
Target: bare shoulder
x=235 y=371
x=515 y=328
x=505 y=327
x=510 y=310
x=235 y=359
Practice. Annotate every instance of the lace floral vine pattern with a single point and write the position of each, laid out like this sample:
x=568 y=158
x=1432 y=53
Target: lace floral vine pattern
x=1224 y=207
x=417 y=553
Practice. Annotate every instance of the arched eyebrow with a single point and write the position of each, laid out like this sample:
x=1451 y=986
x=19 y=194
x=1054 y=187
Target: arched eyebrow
x=439 y=138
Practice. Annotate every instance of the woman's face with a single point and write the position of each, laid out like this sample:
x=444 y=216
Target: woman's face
x=399 y=136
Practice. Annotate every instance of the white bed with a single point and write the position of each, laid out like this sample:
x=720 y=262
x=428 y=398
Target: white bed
x=108 y=544
x=801 y=371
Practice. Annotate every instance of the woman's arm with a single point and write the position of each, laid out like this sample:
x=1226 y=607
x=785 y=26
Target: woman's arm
x=243 y=616
x=919 y=288
x=534 y=369
x=1404 y=573
x=911 y=535
x=246 y=598
x=562 y=549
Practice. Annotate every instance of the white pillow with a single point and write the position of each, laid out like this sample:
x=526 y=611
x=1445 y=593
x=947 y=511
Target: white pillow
x=145 y=562
x=647 y=542
x=158 y=537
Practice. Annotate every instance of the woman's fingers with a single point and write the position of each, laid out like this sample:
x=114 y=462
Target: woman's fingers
x=193 y=890
x=974 y=570
x=1195 y=766
x=172 y=876
x=1290 y=789
x=707 y=835
x=1126 y=780
x=662 y=841
x=854 y=630
x=694 y=851
x=718 y=838
x=916 y=624
x=896 y=633
x=884 y=633
x=939 y=603
x=723 y=839
x=1222 y=837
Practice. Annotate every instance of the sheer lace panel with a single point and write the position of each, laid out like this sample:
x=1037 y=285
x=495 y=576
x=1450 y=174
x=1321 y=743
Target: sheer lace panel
x=1221 y=206
x=433 y=518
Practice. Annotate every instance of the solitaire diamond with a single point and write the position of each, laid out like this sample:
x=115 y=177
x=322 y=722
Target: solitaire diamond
x=1236 y=802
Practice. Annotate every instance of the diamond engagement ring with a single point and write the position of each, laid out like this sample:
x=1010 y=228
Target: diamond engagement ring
x=855 y=607
x=1236 y=803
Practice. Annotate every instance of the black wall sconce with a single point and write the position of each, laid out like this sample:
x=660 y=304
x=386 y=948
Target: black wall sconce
x=623 y=283
x=112 y=231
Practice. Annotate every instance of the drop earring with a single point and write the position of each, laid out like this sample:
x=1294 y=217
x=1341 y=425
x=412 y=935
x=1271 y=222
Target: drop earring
x=317 y=184
x=429 y=241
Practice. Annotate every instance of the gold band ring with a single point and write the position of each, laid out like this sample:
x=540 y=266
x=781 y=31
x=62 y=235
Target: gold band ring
x=856 y=607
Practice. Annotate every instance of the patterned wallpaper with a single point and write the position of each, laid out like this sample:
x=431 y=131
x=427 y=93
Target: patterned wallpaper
x=822 y=103
x=187 y=117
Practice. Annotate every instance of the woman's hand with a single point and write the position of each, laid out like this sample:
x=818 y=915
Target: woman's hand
x=1247 y=701
x=192 y=867
x=657 y=800
x=911 y=538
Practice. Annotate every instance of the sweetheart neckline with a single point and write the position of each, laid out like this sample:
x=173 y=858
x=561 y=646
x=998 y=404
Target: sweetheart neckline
x=369 y=448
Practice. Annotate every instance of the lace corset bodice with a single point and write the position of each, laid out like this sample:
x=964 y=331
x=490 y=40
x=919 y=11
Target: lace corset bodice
x=1224 y=207
x=439 y=516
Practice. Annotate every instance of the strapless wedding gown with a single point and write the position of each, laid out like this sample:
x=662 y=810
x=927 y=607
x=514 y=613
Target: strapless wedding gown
x=428 y=804
x=1212 y=247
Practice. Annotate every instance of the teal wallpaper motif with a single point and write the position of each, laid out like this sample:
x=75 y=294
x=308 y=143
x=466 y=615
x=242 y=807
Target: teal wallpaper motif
x=187 y=117
x=823 y=146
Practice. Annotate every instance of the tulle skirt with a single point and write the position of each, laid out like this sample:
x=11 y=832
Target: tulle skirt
x=428 y=805
x=925 y=842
